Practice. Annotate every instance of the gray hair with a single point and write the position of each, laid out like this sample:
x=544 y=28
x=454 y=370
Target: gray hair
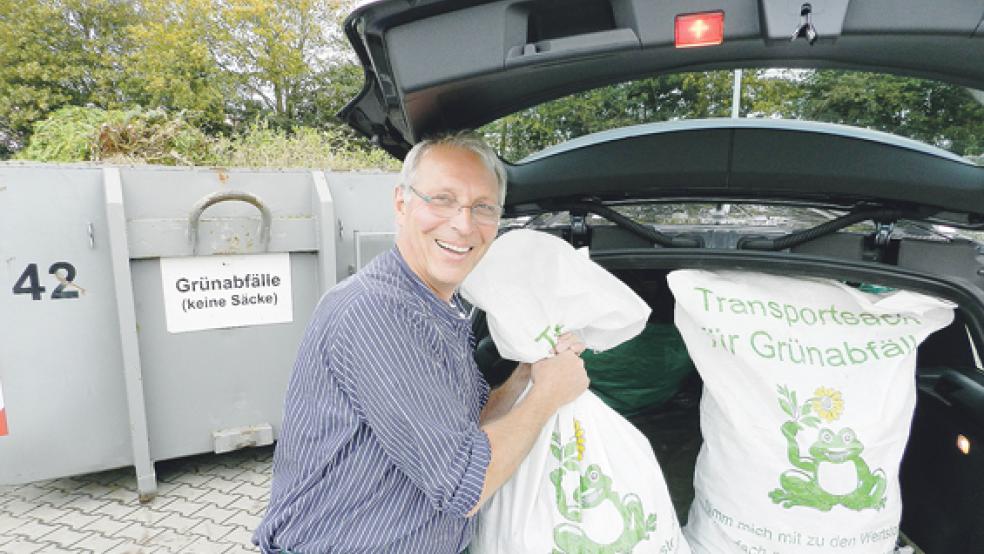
x=461 y=139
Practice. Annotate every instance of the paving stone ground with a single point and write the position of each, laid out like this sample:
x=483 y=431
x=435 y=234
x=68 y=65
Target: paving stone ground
x=205 y=504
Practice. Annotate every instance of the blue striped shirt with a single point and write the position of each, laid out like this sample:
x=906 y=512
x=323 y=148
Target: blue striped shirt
x=380 y=449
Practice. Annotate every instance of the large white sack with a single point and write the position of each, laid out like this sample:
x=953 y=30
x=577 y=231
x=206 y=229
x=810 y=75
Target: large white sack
x=809 y=390
x=591 y=482
x=532 y=284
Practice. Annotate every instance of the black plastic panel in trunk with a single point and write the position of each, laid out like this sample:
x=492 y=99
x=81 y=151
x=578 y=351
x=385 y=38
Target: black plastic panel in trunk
x=943 y=488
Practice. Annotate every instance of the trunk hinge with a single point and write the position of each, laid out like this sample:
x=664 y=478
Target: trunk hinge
x=580 y=231
x=879 y=243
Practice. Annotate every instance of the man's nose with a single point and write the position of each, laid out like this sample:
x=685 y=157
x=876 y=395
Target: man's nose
x=463 y=221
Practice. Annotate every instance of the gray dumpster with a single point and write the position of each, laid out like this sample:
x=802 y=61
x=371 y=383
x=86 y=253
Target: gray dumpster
x=152 y=313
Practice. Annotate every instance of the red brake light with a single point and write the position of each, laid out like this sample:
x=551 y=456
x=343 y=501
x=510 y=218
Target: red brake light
x=699 y=29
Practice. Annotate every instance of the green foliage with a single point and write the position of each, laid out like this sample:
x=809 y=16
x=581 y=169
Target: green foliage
x=137 y=136
x=273 y=49
x=150 y=136
x=665 y=98
x=219 y=62
x=67 y=135
x=74 y=134
x=330 y=91
x=943 y=115
x=173 y=66
x=55 y=53
x=772 y=93
x=928 y=111
x=266 y=146
x=256 y=76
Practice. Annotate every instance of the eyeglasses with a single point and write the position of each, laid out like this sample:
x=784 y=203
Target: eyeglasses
x=443 y=205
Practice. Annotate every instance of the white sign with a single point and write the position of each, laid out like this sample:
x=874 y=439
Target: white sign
x=215 y=292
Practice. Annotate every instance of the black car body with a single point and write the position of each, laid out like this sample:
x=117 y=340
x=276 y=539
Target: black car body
x=435 y=65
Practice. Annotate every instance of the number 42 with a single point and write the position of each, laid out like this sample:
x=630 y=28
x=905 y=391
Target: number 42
x=29 y=283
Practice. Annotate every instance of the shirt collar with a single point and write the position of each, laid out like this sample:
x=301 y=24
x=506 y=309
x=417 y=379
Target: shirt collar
x=453 y=311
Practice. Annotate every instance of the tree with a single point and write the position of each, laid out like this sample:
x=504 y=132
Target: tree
x=936 y=113
x=215 y=62
x=680 y=96
x=273 y=48
x=55 y=53
x=773 y=93
x=329 y=92
x=172 y=65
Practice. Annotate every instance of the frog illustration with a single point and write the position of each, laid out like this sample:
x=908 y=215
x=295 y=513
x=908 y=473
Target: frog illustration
x=594 y=489
x=802 y=486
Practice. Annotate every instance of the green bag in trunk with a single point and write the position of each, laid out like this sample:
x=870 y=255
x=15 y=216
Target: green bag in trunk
x=641 y=373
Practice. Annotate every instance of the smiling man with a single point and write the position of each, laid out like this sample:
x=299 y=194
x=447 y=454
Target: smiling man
x=391 y=440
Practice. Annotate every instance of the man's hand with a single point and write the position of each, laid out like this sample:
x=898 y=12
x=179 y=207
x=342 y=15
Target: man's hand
x=569 y=341
x=561 y=378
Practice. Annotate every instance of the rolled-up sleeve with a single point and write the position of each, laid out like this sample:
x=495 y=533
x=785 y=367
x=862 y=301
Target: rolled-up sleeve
x=393 y=364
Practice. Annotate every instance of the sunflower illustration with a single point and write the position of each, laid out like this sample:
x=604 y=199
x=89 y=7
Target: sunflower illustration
x=827 y=403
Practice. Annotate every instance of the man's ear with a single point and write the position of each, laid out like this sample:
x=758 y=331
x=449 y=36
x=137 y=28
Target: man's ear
x=399 y=205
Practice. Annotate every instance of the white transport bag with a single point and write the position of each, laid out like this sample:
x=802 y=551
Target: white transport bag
x=809 y=389
x=591 y=483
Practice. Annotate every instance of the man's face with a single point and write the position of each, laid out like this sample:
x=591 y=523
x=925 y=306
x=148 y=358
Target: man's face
x=442 y=251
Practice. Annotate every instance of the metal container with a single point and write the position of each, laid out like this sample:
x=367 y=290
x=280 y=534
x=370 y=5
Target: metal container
x=153 y=313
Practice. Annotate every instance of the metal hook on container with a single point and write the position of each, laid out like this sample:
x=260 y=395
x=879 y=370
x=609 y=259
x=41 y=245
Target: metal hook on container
x=196 y=214
x=805 y=27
